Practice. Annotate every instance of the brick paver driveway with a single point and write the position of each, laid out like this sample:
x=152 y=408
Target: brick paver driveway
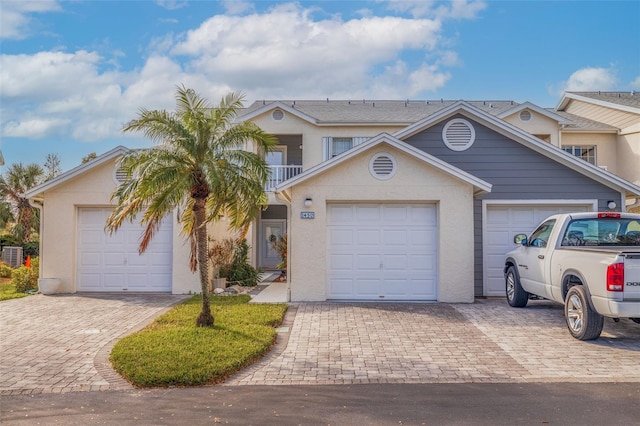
x=487 y=341
x=55 y=344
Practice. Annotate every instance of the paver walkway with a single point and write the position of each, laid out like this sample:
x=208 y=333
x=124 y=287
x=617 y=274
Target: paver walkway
x=331 y=343
x=56 y=344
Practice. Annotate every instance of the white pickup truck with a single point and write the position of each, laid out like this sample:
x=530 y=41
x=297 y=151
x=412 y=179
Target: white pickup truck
x=590 y=262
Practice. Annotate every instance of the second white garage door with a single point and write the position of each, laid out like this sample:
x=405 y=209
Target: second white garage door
x=111 y=263
x=502 y=223
x=382 y=251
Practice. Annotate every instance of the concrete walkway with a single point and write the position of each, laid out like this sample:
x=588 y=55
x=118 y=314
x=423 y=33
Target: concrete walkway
x=59 y=344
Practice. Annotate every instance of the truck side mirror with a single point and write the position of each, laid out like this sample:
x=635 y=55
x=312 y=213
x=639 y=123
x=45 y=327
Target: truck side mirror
x=520 y=239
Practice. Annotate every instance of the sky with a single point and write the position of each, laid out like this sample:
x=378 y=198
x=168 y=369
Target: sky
x=73 y=73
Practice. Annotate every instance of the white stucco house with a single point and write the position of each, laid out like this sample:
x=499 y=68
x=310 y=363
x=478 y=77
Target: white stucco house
x=381 y=200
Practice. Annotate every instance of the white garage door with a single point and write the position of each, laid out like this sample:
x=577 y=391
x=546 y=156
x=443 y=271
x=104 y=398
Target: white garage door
x=382 y=252
x=502 y=223
x=112 y=263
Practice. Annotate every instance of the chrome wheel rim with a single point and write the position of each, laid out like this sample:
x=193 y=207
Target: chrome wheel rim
x=575 y=313
x=511 y=286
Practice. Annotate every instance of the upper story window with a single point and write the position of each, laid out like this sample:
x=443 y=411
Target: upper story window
x=585 y=152
x=337 y=145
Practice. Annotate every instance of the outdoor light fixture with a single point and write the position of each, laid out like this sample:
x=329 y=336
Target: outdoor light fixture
x=611 y=204
x=308 y=202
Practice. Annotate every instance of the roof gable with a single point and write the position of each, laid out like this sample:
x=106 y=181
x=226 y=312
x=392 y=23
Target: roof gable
x=520 y=136
x=76 y=171
x=478 y=184
x=541 y=111
x=622 y=101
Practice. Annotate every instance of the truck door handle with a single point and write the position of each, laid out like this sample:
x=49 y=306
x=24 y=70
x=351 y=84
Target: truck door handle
x=541 y=256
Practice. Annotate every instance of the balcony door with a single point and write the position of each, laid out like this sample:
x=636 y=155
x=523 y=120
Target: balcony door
x=276 y=159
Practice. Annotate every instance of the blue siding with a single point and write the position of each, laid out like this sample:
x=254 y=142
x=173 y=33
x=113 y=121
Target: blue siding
x=515 y=171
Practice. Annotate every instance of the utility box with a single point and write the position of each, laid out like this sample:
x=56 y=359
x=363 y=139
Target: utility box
x=12 y=256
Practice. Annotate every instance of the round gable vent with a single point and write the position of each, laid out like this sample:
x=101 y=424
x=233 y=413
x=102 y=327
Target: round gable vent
x=277 y=114
x=119 y=175
x=525 y=115
x=458 y=134
x=382 y=166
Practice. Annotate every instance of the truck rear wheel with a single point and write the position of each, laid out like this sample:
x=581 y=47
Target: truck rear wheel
x=516 y=296
x=583 y=322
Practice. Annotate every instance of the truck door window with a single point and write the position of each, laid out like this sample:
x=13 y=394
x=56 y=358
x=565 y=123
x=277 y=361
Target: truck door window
x=540 y=236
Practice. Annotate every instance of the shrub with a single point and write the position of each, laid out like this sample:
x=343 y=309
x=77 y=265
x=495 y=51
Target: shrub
x=240 y=271
x=25 y=279
x=5 y=270
x=280 y=246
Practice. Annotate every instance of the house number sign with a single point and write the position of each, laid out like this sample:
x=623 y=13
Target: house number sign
x=307 y=215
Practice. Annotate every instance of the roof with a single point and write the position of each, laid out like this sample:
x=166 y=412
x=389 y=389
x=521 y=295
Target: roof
x=624 y=101
x=380 y=112
x=76 y=171
x=402 y=112
x=478 y=184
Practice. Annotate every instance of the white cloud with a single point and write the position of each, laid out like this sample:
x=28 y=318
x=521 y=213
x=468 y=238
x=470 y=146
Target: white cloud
x=282 y=53
x=635 y=84
x=171 y=4
x=455 y=9
x=237 y=7
x=16 y=21
x=590 y=79
x=285 y=48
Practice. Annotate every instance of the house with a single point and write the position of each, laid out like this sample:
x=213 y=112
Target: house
x=381 y=200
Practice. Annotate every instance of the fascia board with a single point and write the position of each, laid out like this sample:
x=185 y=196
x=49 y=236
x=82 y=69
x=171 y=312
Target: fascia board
x=479 y=184
x=569 y=96
x=76 y=171
x=274 y=105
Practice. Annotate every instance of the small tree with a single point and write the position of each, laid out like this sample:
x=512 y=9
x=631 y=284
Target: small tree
x=197 y=166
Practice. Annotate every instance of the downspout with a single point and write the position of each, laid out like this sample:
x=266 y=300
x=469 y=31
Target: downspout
x=283 y=196
x=39 y=204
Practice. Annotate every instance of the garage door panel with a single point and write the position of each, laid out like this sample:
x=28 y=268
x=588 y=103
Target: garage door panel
x=111 y=262
x=502 y=223
x=367 y=213
x=393 y=252
x=368 y=237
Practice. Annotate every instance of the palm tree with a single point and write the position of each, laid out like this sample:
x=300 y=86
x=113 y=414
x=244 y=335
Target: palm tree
x=198 y=166
x=17 y=180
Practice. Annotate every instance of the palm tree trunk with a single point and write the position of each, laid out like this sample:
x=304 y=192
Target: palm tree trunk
x=205 y=319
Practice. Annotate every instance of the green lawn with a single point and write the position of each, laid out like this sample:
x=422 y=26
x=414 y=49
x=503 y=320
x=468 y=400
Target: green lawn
x=172 y=351
x=8 y=291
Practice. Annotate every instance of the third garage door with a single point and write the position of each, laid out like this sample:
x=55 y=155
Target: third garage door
x=382 y=251
x=503 y=222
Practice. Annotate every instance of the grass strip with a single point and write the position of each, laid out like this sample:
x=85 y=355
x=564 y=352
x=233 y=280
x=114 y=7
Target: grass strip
x=172 y=351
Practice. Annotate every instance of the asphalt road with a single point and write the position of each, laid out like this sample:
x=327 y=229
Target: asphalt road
x=371 y=404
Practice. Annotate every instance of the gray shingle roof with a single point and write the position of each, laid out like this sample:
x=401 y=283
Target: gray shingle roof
x=396 y=112
x=581 y=123
x=630 y=99
x=376 y=111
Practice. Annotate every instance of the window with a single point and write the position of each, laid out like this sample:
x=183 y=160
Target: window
x=540 y=236
x=602 y=232
x=585 y=152
x=337 y=145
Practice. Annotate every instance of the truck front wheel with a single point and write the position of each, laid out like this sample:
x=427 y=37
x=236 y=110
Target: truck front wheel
x=583 y=322
x=516 y=296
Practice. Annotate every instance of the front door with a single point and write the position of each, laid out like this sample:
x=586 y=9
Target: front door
x=270 y=231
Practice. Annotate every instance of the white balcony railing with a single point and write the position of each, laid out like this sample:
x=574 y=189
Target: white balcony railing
x=279 y=174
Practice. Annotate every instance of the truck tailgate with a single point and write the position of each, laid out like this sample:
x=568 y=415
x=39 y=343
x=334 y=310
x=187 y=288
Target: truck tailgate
x=632 y=276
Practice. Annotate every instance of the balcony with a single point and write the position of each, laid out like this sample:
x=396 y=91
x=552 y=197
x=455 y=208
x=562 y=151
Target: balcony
x=279 y=174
